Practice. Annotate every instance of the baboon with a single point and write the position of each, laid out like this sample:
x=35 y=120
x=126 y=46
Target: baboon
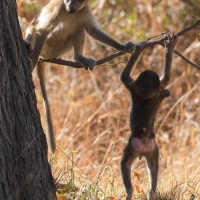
x=60 y=27
x=147 y=92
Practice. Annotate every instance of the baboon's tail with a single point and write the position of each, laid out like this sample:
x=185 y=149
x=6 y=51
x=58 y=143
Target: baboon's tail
x=50 y=132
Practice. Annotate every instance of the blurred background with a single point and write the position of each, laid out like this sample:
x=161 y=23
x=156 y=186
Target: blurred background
x=90 y=110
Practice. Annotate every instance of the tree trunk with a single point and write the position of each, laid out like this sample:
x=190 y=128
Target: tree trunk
x=24 y=170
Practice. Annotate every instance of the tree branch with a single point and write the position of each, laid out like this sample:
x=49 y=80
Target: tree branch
x=180 y=33
x=117 y=54
x=78 y=65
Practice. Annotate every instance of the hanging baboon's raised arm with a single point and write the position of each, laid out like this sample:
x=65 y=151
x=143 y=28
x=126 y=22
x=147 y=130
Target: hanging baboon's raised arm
x=60 y=27
x=126 y=74
x=169 y=48
x=147 y=92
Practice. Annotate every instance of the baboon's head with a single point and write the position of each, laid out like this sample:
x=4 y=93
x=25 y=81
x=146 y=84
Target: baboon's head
x=148 y=85
x=73 y=6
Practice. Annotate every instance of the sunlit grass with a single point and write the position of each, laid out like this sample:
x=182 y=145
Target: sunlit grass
x=92 y=127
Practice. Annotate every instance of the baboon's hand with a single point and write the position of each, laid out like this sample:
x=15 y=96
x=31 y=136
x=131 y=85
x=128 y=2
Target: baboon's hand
x=29 y=47
x=88 y=63
x=139 y=46
x=165 y=93
x=171 y=42
x=129 y=46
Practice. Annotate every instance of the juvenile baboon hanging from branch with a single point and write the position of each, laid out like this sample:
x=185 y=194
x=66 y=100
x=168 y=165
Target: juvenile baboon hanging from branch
x=147 y=92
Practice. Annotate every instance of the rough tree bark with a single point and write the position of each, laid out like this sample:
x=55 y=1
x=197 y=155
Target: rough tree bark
x=24 y=170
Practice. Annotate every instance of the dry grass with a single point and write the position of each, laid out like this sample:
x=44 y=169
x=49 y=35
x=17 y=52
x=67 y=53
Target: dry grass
x=90 y=114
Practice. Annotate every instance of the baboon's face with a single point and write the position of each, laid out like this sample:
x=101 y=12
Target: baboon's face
x=73 y=6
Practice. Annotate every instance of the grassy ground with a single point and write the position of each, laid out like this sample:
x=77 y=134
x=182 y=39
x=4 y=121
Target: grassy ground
x=90 y=110
x=91 y=123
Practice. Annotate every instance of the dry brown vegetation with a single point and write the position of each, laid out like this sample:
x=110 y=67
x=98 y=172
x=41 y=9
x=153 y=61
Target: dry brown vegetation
x=90 y=110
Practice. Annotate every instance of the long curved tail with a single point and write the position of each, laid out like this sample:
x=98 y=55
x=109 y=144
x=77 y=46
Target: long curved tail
x=49 y=125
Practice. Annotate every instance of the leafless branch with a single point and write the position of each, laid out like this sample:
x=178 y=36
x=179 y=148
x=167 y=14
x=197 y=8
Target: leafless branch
x=117 y=54
x=78 y=65
x=180 y=33
x=163 y=33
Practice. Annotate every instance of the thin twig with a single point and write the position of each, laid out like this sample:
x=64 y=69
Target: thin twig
x=186 y=60
x=117 y=54
x=197 y=18
x=157 y=35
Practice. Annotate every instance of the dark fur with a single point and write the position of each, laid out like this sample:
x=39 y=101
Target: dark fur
x=147 y=92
